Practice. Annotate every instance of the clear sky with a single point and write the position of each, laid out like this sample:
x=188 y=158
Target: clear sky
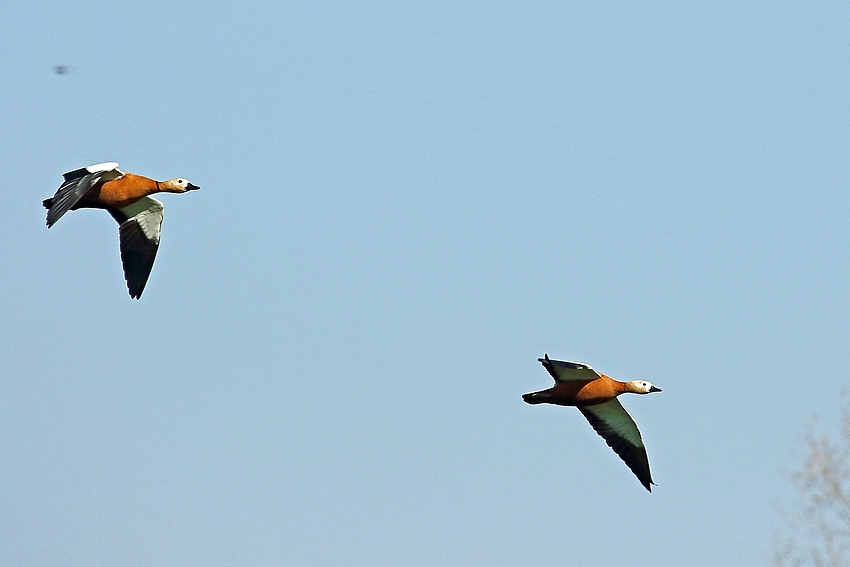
x=402 y=206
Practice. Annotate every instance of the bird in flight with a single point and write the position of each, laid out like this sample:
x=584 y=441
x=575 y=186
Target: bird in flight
x=127 y=197
x=595 y=396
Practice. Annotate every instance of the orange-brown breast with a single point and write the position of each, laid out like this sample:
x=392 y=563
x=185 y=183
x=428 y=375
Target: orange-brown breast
x=123 y=191
x=596 y=391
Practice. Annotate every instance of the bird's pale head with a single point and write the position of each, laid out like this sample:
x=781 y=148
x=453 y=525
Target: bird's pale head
x=177 y=185
x=642 y=387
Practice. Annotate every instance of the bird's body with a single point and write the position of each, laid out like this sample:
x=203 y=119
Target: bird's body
x=584 y=393
x=127 y=197
x=122 y=191
x=595 y=395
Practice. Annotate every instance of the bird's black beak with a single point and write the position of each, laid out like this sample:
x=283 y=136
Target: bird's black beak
x=655 y=389
x=191 y=187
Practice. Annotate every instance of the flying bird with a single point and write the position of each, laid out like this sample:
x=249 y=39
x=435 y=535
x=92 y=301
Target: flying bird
x=595 y=396
x=127 y=197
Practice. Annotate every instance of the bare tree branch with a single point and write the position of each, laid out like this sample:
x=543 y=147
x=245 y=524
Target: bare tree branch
x=818 y=532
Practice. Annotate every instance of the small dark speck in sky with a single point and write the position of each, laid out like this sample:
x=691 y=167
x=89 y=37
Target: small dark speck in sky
x=61 y=69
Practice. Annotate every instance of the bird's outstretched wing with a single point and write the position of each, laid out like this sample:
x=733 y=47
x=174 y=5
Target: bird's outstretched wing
x=563 y=371
x=140 y=225
x=614 y=424
x=77 y=183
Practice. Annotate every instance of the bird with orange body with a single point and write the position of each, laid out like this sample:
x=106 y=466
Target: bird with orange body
x=595 y=396
x=127 y=197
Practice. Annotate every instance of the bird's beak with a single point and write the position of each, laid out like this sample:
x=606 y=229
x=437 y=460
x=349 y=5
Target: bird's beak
x=191 y=187
x=655 y=389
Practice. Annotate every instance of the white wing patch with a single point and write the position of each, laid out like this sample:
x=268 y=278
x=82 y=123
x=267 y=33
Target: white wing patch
x=563 y=371
x=75 y=186
x=139 y=236
x=615 y=416
x=105 y=166
x=147 y=213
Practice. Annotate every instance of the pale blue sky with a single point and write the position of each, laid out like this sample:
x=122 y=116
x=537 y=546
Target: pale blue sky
x=402 y=207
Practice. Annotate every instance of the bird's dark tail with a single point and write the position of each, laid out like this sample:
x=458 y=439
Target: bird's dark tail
x=536 y=398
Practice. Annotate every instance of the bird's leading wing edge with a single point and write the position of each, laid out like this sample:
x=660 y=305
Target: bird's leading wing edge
x=614 y=424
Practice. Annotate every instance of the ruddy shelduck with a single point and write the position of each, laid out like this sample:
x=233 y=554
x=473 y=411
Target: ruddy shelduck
x=595 y=396
x=127 y=197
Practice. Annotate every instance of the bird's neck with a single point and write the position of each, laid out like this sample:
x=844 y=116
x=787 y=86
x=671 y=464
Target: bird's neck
x=617 y=386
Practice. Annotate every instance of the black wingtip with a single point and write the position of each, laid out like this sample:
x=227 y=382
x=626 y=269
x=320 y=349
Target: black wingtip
x=136 y=288
x=47 y=203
